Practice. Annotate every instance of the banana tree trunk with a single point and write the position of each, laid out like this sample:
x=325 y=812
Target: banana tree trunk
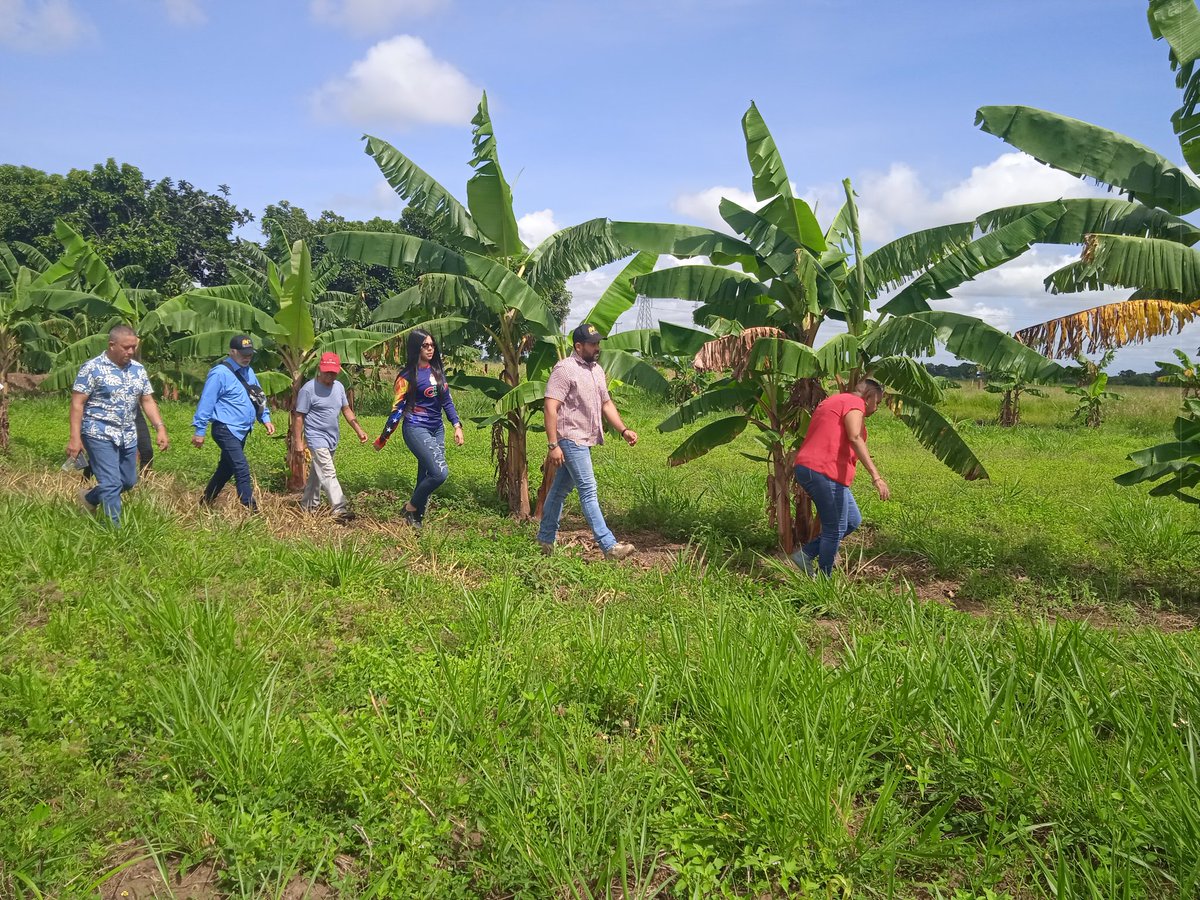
x=509 y=444
x=549 y=471
x=297 y=474
x=4 y=390
x=1010 y=409
x=8 y=362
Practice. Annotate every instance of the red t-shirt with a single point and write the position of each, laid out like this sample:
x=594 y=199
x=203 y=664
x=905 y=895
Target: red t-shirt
x=826 y=449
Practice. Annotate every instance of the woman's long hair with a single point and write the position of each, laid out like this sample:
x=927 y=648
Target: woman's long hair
x=416 y=338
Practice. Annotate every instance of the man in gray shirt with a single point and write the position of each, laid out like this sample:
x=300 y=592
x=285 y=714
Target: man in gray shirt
x=318 y=406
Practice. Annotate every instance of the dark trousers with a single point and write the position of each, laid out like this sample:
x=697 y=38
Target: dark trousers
x=145 y=446
x=232 y=465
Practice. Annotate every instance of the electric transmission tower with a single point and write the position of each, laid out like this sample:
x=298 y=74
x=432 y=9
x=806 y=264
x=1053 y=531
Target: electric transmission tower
x=645 y=312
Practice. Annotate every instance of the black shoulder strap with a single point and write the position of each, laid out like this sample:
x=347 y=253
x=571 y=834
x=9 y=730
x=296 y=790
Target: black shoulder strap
x=229 y=363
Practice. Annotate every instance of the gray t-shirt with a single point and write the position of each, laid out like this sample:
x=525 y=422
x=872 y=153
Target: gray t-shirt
x=321 y=406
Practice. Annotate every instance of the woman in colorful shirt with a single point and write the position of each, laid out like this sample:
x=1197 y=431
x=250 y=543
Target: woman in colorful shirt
x=422 y=395
x=825 y=466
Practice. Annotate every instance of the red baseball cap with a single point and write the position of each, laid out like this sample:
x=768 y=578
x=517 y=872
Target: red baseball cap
x=329 y=363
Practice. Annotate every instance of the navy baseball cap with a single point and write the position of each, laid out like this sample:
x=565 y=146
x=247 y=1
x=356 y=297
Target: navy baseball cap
x=586 y=333
x=242 y=343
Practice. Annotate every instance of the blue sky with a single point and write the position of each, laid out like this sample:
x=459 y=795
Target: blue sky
x=621 y=109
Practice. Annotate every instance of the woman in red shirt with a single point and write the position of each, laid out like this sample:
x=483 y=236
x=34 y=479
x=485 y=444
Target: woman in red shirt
x=825 y=467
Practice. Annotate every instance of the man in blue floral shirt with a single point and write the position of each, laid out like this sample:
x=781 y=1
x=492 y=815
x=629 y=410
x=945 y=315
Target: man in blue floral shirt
x=104 y=401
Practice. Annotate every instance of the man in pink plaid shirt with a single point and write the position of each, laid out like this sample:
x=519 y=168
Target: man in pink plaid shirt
x=577 y=405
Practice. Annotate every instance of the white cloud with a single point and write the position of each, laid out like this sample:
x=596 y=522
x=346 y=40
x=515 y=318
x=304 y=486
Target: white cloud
x=42 y=26
x=364 y=17
x=898 y=201
x=185 y=12
x=399 y=83
x=704 y=206
x=535 y=227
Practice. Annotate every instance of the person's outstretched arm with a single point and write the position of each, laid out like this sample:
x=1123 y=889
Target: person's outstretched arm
x=853 y=423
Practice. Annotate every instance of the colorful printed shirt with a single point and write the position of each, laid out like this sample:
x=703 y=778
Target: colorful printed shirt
x=113 y=395
x=224 y=400
x=826 y=449
x=433 y=398
x=581 y=388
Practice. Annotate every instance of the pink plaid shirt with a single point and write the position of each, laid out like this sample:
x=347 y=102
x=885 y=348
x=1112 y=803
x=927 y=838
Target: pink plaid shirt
x=581 y=390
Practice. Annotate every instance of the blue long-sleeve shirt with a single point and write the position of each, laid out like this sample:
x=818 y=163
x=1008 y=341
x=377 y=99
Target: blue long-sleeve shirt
x=224 y=400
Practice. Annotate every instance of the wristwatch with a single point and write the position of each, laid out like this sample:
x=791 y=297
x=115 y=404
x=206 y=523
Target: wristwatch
x=554 y=446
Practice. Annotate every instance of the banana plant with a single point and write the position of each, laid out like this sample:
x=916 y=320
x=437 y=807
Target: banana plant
x=29 y=307
x=1175 y=465
x=1140 y=242
x=476 y=265
x=280 y=303
x=801 y=275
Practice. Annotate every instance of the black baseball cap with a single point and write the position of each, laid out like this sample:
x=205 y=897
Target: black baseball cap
x=586 y=333
x=242 y=343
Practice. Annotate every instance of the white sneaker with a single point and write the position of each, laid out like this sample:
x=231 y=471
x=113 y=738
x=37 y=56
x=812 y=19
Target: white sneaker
x=804 y=561
x=619 y=551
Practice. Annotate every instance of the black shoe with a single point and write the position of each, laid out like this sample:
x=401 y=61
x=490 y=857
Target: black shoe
x=412 y=519
x=344 y=518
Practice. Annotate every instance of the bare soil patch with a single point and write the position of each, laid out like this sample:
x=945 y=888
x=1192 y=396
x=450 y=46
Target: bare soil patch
x=138 y=877
x=653 y=551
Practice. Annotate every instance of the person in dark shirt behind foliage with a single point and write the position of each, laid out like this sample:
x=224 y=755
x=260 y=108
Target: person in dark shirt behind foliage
x=825 y=465
x=422 y=396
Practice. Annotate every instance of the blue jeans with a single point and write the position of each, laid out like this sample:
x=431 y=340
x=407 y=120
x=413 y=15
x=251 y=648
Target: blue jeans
x=115 y=469
x=838 y=511
x=575 y=472
x=231 y=465
x=429 y=447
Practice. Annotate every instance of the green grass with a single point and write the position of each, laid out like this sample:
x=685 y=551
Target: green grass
x=459 y=716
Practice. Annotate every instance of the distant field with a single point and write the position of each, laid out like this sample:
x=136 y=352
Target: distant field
x=999 y=701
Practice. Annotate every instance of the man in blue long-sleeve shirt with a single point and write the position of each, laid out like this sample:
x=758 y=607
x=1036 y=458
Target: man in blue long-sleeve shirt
x=226 y=403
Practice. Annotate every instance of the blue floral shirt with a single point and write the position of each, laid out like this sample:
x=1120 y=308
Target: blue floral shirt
x=113 y=396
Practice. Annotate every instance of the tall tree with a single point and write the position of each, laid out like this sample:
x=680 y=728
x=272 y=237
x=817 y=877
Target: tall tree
x=175 y=233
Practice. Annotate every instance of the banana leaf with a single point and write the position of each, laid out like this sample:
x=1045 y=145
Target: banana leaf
x=935 y=433
x=702 y=284
x=685 y=242
x=68 y=360
x=573 y=250
x=1148 y=264
x=1089 y=215
x=1089 y=151
x=679 y=340
x=492 y=388
x=396 y=251
x=775 y=249
x=966 y=337
x=620 y=295
x=623 y=366
x=488 y=195
x=979 y=256
x=423 y=193
x=789 y=359
x=723 y=398
x=521 y=396
x=907 y=377
x=897 y=261
x=350 y=344
x=709 y=437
